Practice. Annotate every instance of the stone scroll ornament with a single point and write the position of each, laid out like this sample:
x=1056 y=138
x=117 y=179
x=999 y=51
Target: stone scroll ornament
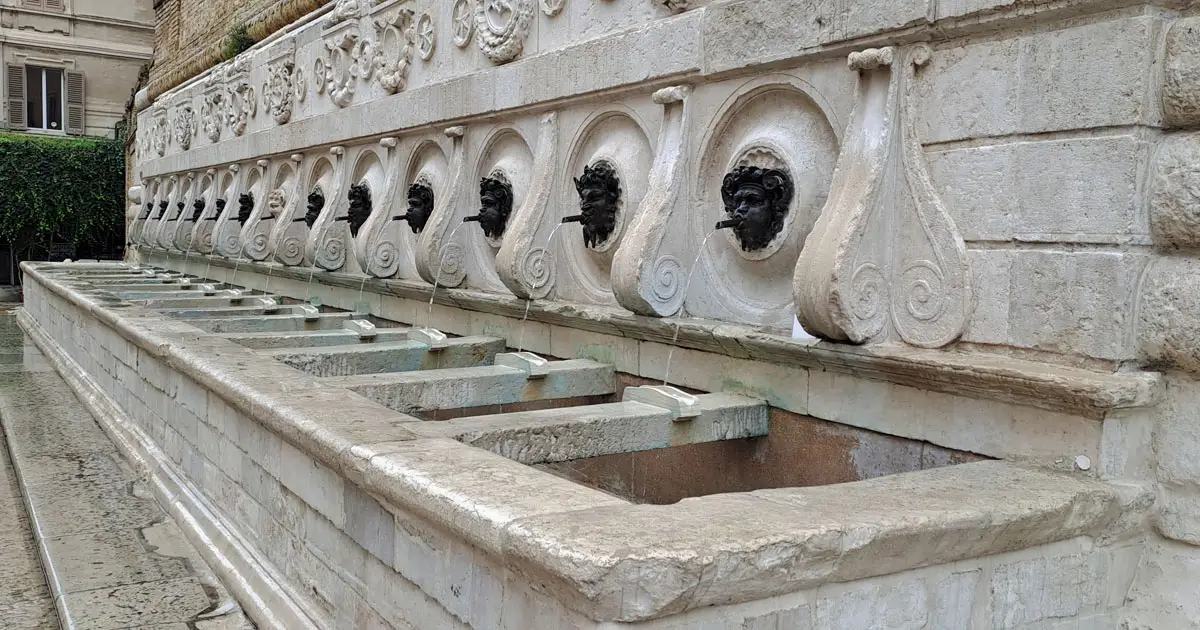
x=227 y=231
x=501 y=27
x=438 y=259
x=294 y=230
x=378 y=246
x=885 y=259
x=326 y=246
x=644 y=281
x=256 y=236
x=188 y=223
x=525 y=266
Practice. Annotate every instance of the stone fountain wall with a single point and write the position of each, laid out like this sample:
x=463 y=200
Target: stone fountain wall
x=992 y=216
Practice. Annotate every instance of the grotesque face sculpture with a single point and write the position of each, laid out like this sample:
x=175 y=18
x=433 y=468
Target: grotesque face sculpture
x=197 y=209
x=245 y=207
x=495 y=199
x=220 y=210
x=149 y=209
x=599 y=192
x=316 y=203
x=181 y=206
x=162 y=209
x=758 y=198
x=420 y=205
x=360 y=206
x=275 y=202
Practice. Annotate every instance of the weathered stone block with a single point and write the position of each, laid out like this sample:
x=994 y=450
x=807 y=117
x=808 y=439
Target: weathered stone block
x=1181 y=74
x=1062 y=190
x=1175 y=201
x=1168 y=326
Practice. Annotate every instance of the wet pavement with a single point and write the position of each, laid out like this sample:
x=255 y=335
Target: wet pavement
x=82 y=541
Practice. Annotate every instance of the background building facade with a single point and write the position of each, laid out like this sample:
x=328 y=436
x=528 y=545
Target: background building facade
x=69 y=64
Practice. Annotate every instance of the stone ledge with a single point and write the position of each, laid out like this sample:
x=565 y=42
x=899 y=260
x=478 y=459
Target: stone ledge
x=725 y=549
x=971 y=374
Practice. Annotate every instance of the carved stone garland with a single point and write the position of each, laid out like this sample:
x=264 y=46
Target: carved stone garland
x=243 y=105
x=502 y=26
x=342 y=66
x=212 y=114
x=397 y=33
x=876 y=263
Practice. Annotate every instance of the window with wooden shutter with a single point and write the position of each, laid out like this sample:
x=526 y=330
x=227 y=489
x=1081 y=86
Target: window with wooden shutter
x=15 y=78
x=75 y=111
x=54 y=5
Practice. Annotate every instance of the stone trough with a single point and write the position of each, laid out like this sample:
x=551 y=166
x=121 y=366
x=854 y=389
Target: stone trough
x=461 y=484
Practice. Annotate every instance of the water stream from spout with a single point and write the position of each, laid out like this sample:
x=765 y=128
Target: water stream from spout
x=546 y=257
x=687 y=286
x=437 y=275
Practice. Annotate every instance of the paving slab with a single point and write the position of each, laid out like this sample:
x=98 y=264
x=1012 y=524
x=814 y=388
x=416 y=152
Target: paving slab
x=98 y=551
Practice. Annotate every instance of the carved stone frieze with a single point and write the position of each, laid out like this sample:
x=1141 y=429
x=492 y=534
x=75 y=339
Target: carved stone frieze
x=394 y=52
x=344 y=11
x=885 y=259
x=501 y=27
x=185 y=125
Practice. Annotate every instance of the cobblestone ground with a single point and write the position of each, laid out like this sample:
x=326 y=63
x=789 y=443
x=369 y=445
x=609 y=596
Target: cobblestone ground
x=81 y=538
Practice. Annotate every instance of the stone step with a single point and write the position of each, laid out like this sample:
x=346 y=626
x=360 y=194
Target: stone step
x=402 y=356
x=112 y=557
x=558 y=435
x=312 y=338
x=272 y=323
x=457 y=388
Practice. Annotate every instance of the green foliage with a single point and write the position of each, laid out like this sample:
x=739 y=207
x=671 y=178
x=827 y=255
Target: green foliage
x=60 y=190
x=238 y=41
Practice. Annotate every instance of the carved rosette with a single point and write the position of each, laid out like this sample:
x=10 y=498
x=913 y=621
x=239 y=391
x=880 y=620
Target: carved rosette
x=885 y=259
x=501 y=27
x=553 y=7
x=185 y=125
x=463 y=17
x=426 y=37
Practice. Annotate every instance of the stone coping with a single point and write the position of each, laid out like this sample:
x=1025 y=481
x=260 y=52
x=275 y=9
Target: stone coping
x=972 y=374
x=604 y=557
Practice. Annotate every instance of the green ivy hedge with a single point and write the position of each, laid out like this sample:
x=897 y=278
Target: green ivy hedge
x=60 y=191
